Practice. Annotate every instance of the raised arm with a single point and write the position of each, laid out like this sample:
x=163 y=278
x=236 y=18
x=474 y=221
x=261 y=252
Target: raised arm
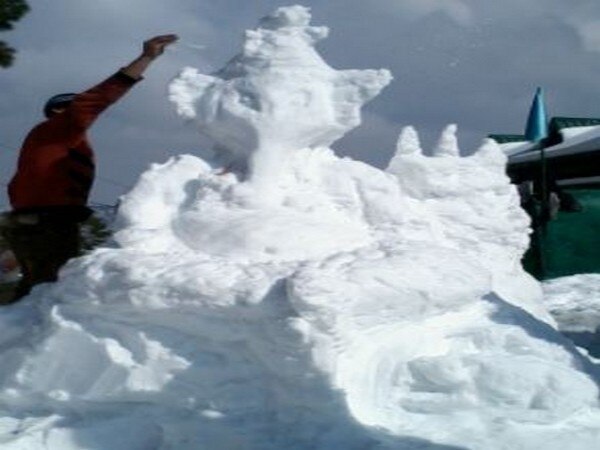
x=153 y=48
x=87 y=106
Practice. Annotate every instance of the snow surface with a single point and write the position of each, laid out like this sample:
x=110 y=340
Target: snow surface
x=575 y=140
x=583 y=133
x=574 y=302
x=515 y=148
x=283 y=297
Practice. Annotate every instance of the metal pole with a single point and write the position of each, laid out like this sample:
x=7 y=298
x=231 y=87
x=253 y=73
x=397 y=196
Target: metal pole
x=544 y=210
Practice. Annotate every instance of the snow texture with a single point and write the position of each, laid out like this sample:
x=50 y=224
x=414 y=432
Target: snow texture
x=574 y=302
x=283 y=297
x=275 y=97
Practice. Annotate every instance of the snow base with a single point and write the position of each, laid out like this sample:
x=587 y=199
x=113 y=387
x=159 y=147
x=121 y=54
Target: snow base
x=393 y=338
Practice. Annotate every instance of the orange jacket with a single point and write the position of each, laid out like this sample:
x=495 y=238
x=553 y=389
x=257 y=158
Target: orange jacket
x=56 y=163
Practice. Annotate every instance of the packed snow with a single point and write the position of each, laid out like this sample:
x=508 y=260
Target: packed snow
x=515 y=148
x=280 y=296
x=574 y=302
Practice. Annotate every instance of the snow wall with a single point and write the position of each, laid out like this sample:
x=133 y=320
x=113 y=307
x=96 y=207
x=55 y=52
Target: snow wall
x=283 y=297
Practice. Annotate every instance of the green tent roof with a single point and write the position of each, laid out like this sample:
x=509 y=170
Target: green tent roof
x=554 y=130
x=559 y=123
x=507 y=138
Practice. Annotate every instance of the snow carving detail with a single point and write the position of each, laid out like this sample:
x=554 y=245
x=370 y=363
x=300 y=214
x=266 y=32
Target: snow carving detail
x=277 y=96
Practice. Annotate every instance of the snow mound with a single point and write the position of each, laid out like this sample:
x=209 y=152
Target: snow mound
x=574 y=302
x=342 y=307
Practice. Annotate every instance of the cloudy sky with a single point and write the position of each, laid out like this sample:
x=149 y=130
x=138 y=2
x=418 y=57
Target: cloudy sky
x=471 y=62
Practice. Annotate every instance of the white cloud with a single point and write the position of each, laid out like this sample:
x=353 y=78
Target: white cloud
x=590 y=35
x=586 y=24
x=457 y=10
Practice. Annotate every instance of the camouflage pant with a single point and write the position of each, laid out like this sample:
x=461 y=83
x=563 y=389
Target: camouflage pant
x=42 y=245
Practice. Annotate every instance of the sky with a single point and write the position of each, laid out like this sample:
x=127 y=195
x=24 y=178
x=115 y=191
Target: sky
x=475 y=63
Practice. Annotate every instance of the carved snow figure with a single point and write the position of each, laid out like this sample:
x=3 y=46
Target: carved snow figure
x=277 y=96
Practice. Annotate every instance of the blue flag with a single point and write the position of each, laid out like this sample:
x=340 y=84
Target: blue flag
x=537 y=124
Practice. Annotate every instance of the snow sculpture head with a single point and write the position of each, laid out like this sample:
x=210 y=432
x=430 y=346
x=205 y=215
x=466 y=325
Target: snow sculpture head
x=277 y=96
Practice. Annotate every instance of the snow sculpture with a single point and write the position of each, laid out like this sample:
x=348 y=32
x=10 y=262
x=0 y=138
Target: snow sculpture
x=277 y=96
x=476 y=205
x=356 y=309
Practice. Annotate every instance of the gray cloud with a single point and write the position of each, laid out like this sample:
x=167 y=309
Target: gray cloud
x=457 y=10
x=472 y=62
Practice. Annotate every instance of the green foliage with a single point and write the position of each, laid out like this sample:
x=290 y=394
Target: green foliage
x=10 y=12
x=7 y=55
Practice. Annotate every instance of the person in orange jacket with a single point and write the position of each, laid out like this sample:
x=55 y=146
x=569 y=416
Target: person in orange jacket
x=55 y=172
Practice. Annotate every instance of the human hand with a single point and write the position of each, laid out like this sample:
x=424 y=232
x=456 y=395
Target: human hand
x=156 y=46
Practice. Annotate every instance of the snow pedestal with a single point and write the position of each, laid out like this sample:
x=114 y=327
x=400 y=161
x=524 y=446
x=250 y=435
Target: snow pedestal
x=282 y=297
